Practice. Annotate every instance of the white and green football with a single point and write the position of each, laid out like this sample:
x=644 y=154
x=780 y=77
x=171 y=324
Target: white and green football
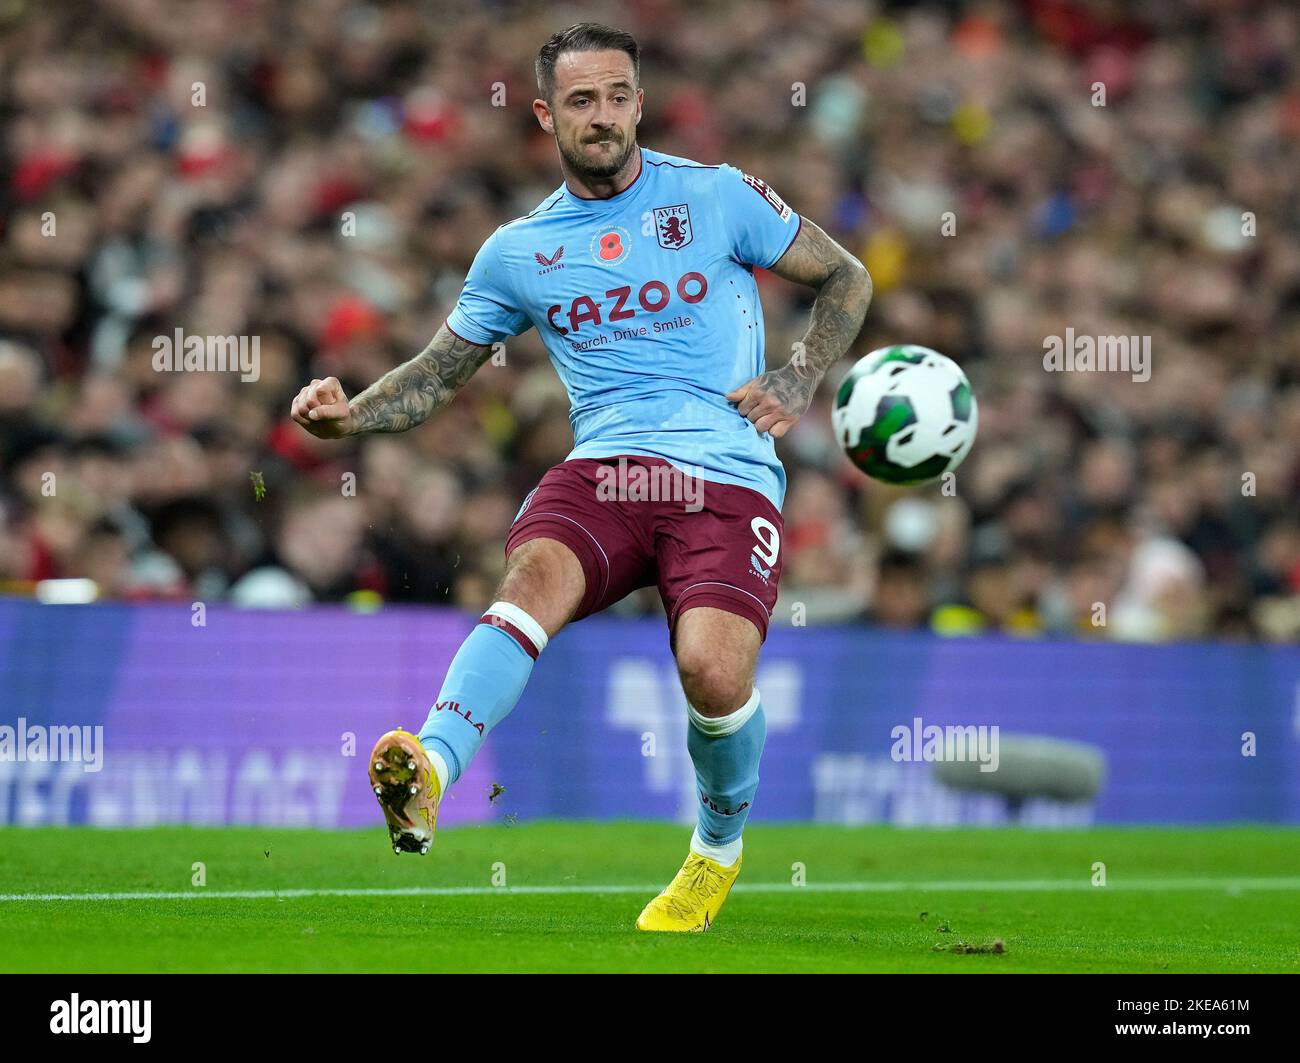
x=905 y=415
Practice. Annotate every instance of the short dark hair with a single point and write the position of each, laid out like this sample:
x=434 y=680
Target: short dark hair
x=583 y=37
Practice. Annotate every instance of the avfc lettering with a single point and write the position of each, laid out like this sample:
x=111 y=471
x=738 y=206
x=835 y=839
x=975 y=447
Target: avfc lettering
x=454 y=706
x=673 y=226
x=653 y=297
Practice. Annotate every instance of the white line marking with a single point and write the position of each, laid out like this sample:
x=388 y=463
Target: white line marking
x=1155 y=885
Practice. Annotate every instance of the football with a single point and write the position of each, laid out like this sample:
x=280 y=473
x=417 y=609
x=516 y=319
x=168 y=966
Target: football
x=905 y=415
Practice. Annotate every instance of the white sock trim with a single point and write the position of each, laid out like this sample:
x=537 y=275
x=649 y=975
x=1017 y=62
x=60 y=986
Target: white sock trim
x=521 y=620
x=726 y=855
x=721 y=726
x=440 y=769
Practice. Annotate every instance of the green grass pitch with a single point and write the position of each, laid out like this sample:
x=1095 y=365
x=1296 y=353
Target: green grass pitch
x=875 y=899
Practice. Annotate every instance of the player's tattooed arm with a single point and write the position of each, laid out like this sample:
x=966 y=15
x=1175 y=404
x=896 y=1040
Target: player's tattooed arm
x=410 y=394
x=778 y=398
x=402 y=398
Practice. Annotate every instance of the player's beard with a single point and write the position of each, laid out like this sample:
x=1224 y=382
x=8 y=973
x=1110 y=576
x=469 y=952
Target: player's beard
x=582 y=166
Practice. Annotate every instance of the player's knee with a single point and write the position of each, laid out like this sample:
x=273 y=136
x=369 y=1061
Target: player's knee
x=545 y=579
x=714 y=684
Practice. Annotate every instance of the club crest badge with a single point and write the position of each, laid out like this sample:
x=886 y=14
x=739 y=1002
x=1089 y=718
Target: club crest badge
x=673 y=226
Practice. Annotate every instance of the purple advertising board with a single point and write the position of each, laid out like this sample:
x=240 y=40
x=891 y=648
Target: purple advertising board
x=222 y=716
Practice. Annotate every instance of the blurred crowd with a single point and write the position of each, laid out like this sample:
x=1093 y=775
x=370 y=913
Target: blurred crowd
x=320 y=175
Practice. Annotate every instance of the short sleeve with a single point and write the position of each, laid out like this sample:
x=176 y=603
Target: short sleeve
x=759 y=223
x=487 y=310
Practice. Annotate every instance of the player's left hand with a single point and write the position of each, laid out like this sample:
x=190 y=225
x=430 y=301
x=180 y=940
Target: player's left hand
x=775 y=400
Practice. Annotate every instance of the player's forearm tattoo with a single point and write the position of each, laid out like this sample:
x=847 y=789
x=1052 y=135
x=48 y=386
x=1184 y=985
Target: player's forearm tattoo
x=410 y=394
x=844 y=293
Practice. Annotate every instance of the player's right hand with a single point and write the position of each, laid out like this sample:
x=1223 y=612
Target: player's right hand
x=322 y=409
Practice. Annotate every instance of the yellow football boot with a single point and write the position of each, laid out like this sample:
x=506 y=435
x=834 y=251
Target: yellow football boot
x=693 y=897
x=406 y=785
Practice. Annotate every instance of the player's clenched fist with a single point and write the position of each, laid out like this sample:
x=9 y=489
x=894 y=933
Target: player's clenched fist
x=322 y=409
x=774 y=401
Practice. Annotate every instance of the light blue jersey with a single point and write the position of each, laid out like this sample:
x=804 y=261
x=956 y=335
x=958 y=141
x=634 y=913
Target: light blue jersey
x=647 y=305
